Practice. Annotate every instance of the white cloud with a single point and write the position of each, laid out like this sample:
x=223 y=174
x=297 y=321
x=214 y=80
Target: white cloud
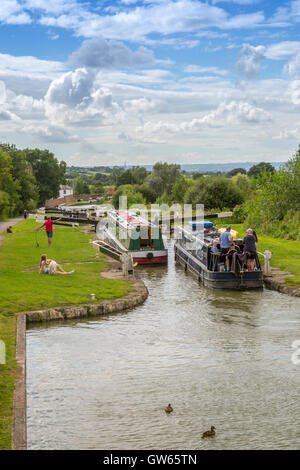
x=283 y=50
x=11 y=12
x=76 y=99
x=205 y=70
x=168 y=17
x=28 y=65
x=55 y=7
x=294 y=91
x=239 y=2
x=290 y=134
x=227 y=114
x=249 y=60
x=98 y=53
x=250 y=57
x=27 y=75
x=5 y=115
x=290 y=13
x=50 y=134
x=143 y=105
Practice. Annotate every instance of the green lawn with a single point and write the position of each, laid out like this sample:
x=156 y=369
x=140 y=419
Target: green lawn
x=7 y=379
x=285 y=253
x=28 y=290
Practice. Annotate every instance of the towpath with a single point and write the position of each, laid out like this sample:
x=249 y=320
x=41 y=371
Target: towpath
x=4 y=225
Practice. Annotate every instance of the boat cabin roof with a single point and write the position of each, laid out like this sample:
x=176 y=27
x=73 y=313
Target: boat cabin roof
x=127 y=220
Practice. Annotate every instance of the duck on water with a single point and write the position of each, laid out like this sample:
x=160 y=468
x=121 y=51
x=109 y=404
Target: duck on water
x=198 y=249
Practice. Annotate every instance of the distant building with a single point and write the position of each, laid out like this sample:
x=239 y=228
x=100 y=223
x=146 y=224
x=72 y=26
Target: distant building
x=65 y=190
x=109 y=192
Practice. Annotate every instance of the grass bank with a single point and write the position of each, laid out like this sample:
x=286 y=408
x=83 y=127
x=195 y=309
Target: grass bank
x=285 y=253
x=23 y=290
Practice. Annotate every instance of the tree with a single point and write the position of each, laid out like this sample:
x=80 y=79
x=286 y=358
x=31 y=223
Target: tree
x=126 y=177
x=81 y=186
x=4 y=204
x=97 y=188
x=197 y=175
x=139 y=174
x=162 y=177
x=179 y=189
x=276 y=203
x=133 y=196
x=22 y=174
x=257 y=169
x=10 y=188
x=215 y=192
x=246 y=185
x=48 y=171
x=236 y=171
x=148 y=193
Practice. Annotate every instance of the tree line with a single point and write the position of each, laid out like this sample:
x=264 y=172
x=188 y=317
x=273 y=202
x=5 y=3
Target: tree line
x=263 y=198
x=27 y=178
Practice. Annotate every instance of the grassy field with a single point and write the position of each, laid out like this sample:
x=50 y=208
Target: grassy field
x=23 y=290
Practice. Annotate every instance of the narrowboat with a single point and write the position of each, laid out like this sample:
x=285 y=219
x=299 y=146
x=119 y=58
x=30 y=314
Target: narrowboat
x=130 y=233
x=220 y=271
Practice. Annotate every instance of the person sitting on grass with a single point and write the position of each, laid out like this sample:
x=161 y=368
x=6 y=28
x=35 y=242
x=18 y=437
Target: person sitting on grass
x=49 y=266
x=9 y=229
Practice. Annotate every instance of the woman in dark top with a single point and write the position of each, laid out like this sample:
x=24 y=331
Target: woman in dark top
x=250 y=249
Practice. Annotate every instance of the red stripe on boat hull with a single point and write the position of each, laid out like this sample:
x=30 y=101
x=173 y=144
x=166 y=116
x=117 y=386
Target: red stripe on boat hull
x=158 y=260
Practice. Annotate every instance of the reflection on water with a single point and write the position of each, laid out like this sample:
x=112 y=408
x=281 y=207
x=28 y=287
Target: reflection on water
x=220 y=358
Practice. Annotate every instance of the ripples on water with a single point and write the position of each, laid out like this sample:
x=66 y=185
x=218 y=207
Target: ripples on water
x=220 y=358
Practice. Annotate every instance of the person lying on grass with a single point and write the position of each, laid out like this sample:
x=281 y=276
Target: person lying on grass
x=49 y=266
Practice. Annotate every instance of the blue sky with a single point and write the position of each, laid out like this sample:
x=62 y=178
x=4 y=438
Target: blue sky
x=185 y=81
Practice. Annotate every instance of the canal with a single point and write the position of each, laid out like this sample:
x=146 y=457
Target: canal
x=220 y=358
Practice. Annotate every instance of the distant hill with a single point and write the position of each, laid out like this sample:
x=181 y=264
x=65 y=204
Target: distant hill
x=189 y=167
x=217 y=167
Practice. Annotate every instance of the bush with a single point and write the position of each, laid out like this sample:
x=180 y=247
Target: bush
x=239 y=214
x=214 y=192
x=133 y=196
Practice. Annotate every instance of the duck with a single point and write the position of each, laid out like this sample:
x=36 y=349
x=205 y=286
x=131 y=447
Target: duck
x=210 y=433
x=168 y=409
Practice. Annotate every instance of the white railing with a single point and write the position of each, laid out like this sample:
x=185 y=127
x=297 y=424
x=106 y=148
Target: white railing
x=267 y=265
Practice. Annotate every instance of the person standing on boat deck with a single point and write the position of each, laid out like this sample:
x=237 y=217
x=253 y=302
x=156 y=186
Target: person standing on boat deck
x=250 y=249
x=256 y=239
x=49 y=228
x=226 y=240
x=214 y=248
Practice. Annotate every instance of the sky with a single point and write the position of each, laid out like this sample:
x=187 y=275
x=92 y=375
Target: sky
x=135 y=82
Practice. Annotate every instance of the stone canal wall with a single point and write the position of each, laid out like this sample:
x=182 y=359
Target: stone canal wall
x=19 y=430
x=137 y=296
x=276 y=281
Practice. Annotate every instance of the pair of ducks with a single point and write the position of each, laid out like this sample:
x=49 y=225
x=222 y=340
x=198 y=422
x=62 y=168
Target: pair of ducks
x=210 y=433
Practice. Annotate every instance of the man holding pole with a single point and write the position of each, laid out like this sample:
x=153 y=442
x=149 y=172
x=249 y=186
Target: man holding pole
x=48 y=224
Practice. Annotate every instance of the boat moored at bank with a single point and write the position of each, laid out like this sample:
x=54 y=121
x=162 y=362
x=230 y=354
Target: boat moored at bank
x=130 y=233
x=193 y=250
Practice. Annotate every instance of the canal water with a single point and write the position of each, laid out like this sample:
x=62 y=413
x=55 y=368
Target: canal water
x=220 y=358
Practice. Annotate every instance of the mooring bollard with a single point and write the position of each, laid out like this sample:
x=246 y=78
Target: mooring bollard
x=127 y=264
x=267 y=264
